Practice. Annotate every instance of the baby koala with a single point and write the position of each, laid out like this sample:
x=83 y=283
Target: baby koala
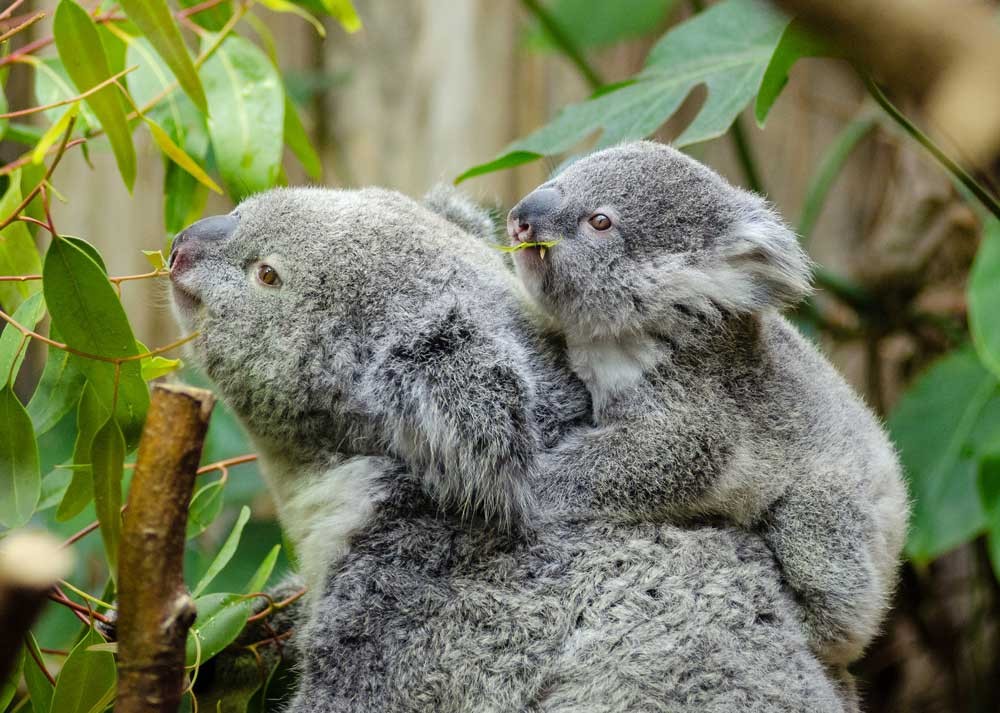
x=666 y=282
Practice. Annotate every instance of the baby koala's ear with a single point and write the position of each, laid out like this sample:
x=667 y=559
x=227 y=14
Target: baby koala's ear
x=768 y=255
x=456 y=207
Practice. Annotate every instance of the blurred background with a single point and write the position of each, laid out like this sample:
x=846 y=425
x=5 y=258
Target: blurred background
x=430 y=88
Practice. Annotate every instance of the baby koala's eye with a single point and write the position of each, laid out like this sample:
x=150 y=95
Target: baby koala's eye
x=268 y=276
x=599 y=221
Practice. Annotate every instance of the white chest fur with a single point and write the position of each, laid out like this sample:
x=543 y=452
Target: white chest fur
x=321 y=509
x=610 y=366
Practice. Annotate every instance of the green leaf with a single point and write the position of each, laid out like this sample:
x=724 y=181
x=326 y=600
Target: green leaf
x=298 y=142
x=58 y=390
x=598 y=23
x=52 y=84
x=13 y=347
x=86 y=311
x=984 y=297
x=259 y=579
x=88 y=249
x=343 y=12
x=8 y=687
x=205 y=507
x=54 y=486
x=221 y=618
x=156 y=259
x=938 y=426
x=18 y=254
x=107 y=459
x=184 y=199
x=247 y=107
x=4 y=108
x=225 y=553
x=54 y=133
x=154 y=19
x=85 y=678
x=727 y=48
x=989 y=492
x=20 y=479
x=82 y=53
x=90 y=416
x=176 y=154
x=795 y=44
x=285 y=6
x=508 y=160
x=39 y=688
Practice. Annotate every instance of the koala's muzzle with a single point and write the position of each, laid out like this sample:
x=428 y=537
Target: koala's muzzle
x=218 y=227
x=533 y=214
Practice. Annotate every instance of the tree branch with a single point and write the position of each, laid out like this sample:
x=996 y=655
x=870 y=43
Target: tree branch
x=155 y=610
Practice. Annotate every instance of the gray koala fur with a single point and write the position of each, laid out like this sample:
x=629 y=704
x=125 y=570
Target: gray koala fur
x=399 y=390
x=707 y=401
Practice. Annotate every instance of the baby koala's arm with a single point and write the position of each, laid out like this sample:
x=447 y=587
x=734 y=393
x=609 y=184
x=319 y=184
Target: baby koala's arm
x=454 y=401
x=650 y=465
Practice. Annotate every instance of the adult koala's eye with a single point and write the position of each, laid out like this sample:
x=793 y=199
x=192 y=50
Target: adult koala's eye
x=599 y=221
x=268 y=276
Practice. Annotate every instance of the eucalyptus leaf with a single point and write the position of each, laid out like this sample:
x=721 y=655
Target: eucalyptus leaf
x=85 y=678
x=39 y=687
x=20 y=479
x=8 y=687
x=727 y=48
x=52 y=84
x=597 y=23
x=157 y=23
x=796 y=43
x=259 y=579
x=18 y=254
x=58 y=390
x=13 y=344
x=82 y=54
x=224 y=554
x=91 y=415
x=939 y=426
x=107 y=462
x=247 y=105
x=984 y=297
x=221 y=618
x=298 y=141
x=86 y=311
x=205 y=507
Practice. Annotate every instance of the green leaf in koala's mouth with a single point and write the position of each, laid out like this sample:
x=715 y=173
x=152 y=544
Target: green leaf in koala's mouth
x=542 y=245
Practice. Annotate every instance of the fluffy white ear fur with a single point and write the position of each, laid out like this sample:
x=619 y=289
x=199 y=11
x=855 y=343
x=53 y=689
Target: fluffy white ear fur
x=776 y=270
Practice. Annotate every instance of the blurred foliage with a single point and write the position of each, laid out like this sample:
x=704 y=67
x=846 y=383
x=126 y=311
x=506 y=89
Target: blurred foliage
x=66 y=452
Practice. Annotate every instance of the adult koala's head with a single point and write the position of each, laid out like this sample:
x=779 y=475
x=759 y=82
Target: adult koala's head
x=292 y=292
x=647 y=238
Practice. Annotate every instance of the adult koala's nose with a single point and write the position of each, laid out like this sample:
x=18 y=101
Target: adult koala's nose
x=188 y=241
x=531 y=215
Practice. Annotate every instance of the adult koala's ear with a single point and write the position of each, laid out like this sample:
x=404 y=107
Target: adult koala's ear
x=774 y=269
x=459 y=209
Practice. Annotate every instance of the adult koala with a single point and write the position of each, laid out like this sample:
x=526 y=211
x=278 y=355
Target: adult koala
x=397 y=388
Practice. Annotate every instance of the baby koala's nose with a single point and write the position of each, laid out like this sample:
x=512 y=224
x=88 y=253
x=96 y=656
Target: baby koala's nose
x=525 y=218
x=216 y=228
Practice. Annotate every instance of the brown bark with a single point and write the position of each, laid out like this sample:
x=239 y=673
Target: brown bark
x=946 y=54
x=155 y=609
x=30 y=564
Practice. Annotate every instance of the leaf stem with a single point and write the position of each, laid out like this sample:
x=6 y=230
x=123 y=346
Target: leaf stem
x=565 y=43
x=23 y=26
x=989 y=201
x=113 y=79
x=38 y=661
x=744 y=153
x=48 y=174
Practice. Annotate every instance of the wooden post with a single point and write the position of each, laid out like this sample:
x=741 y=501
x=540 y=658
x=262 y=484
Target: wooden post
x=155 y=609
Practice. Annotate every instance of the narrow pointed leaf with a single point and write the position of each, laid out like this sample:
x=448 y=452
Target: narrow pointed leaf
x=107 y=458
x=82 y=53
x=290 y=7
x=795 y=44
x=58 y=390
x=90 y=416
x=8 y=687
x=13 y=347
x=85 y=678
x=20 y=479
x=157 y=23
x=246 y=125
x=18 y=254
x=343 y=12
x=176 y=154
x=53 y=134
x=259 y=579
x=205 y=507
x=298 y=141
x=86 y=311
x=225 y=553
x=38 y=685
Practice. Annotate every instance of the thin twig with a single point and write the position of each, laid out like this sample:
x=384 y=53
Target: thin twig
x=72 y=100
x=23 y=26
x=48 y=174
x=38 y=662
x=10 y=9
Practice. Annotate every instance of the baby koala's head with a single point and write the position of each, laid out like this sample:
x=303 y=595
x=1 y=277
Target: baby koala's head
x=647 y=239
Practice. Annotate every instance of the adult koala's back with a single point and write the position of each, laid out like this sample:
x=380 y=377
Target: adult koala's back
x=397 y=389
